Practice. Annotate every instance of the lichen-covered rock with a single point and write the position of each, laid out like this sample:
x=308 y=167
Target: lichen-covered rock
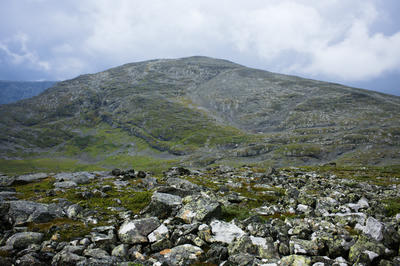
x=21 y=211
x=63 y=258
x=24 y=239
x=120 y=251
x=163 y=204
x=241 y=259
x=295 y=260
x=136 y=231
x=181 y=255
x=198 y=209
x=160 y=233
x=366 y=251
x=257 y=246
x=304 y=247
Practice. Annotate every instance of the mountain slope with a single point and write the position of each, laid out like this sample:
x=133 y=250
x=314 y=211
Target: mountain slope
x=12 y=91
x=200 y=110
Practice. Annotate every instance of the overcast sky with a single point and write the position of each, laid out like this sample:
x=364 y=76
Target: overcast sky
x=353 y=42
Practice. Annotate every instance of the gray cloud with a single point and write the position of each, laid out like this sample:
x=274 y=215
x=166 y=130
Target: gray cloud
x=337 y=40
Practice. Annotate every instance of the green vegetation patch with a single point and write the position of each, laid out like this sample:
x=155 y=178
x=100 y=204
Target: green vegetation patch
x=49 y=165
x=392 y=206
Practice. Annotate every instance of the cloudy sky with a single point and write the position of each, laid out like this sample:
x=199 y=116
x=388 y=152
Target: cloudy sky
x=353 y=42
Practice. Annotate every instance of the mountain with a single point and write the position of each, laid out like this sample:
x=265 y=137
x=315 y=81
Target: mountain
x=12 y=91
x=201 y=111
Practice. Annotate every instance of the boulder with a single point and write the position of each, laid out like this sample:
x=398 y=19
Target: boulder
x=160 y=233
x=136 y=231
x=24 y=239
x=366 y=251
x=198 y=209
x=225 y=232
x=163 y=204
x=295 y=260
x=304 y=247
x=181 y=255
x=21 y=211
x=374 y=229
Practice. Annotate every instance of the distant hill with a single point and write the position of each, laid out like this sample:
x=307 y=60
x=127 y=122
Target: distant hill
x=12 y=91
x=201 y=111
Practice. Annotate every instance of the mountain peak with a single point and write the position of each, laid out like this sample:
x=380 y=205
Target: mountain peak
x=204 y=110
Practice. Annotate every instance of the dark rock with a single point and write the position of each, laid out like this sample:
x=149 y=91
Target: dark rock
x=163 y=204
x=24 y=239
x=217 y=253
x=181 y=255
x=141 y=174
x=136 y=231
x=116 y=172
x=176 y=171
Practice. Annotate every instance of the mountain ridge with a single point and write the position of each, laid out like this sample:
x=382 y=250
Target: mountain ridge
x=201 y=110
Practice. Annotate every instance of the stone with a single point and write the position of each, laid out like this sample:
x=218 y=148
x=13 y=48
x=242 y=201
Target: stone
x=225 y=232
x=163 y=204
x=257 y=246
x=217 y=253
x=24 y=239
x=205 y=233
x=65 y=258
x=183 y=184
x=74 y=210
x=181 y=255
x=241 y=259
x=160 y=233
x=176 y=171
x=357 y=251
x=136 y=231
x=30 y=259
x=295 y=260
x=24 y=179
x=65 y=184
x=120 y=251
x=21 y=211
x=199 y=209
x=374 y=229
x=304 y=247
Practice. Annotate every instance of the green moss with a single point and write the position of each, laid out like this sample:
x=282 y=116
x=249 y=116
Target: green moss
x=18 y=167
x=392 y=206
x=35 y=190
x=146 y=163
x=234 y=212
x=67 y=229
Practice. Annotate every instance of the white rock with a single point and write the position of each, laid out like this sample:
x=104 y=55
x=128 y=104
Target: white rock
x=225 y=232
x=372 y=255
x=158 y=234
x=374 y=228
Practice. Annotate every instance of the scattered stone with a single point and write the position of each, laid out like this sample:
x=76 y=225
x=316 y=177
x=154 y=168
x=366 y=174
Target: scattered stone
x=225 y=232
x=136 y=231
x=24 y=239
x=199 y=209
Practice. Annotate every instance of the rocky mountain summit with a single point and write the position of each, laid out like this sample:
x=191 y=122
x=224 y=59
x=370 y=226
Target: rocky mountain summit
x=217 y=216
x=199 y=111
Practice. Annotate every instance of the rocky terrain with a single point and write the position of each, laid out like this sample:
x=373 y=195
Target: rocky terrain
x=12 y=91
x=199 y=111
x=328 y=215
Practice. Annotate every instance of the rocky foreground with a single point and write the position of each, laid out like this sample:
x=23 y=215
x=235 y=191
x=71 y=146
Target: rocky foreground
x=219 y=216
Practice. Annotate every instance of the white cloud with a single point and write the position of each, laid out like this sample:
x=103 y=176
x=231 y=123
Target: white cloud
x=330 y=38
x=24 y=55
